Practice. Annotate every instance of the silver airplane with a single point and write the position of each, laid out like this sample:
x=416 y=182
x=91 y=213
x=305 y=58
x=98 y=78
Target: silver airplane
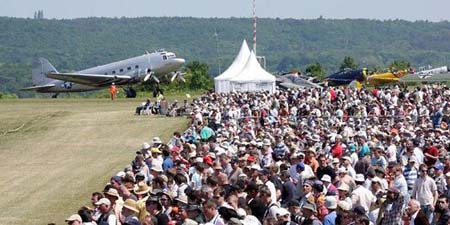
x=140 y=69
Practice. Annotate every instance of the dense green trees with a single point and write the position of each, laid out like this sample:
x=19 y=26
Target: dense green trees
x=287 y=43
x=399 y=65
x=348 y=62
x=316 y=70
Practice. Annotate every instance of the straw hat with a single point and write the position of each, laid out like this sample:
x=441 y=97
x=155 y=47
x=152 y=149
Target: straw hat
x=182 y=199
x=131 y=205
x=142 y=188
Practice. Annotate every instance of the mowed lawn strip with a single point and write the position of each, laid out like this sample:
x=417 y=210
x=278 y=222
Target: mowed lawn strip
x=57 y=152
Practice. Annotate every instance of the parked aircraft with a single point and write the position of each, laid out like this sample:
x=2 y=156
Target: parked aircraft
x=346 y=76
x=362 y=76
x=426 y=73
x=140 y=69
x=385 y=78
x=295 y=81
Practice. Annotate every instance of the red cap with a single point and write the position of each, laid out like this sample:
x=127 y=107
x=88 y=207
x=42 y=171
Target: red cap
x=251 y=158
x=208 y=160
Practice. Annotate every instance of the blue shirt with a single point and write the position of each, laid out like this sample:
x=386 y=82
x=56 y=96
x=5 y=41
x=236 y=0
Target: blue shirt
x=167 y=163
x=365 y=150
x=330 y=219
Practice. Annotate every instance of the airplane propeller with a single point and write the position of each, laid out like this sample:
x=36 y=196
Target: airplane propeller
x=150 y=75
x=178 y=75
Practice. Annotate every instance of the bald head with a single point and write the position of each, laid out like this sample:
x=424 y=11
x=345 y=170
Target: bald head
x=413 y=206
x=222 y=178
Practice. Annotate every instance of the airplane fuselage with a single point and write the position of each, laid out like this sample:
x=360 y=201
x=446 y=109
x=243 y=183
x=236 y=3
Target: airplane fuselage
x=160 y=63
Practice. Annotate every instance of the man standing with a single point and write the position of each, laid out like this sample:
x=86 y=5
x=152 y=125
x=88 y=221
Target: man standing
x=443 y=210
x=211 y=214
x=425 y=191
x=391 y=210
x=107 y=217
x=113 y=91
x=263 y=176
x=361 y=196
x=288 y=190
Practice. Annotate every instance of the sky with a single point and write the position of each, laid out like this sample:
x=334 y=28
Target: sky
x=432 y=10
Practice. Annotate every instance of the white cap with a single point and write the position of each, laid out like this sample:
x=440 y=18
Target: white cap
x=347 y=158
x=376 y=179
x=282 y=212
x=255 y=167
x=156 y=140
x=359 y=177
x=331 y=202
x=103 y=201
x=345 y=205
x=146 y=146
x=326 y=178
x=342 y=170
x=74 y=217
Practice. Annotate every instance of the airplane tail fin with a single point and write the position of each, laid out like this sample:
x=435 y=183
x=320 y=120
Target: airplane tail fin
x=41 y=67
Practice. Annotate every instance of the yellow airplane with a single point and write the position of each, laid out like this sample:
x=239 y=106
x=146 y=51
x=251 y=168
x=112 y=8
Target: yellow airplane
x=385 y=78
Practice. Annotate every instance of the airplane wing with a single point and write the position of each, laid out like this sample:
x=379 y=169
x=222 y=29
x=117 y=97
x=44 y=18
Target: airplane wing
x=96 y=80
x=37 y=88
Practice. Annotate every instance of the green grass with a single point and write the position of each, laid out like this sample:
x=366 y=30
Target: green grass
x=55 y=152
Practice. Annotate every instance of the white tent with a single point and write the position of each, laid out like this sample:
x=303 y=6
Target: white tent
x=253 y=78
x=221 y=82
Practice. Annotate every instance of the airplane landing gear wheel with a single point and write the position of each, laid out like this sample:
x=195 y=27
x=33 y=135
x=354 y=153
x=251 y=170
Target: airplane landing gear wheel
x=130 y=92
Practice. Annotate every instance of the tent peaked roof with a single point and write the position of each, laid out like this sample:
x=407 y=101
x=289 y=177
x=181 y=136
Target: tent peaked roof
x=253 y=71
x=238 y=63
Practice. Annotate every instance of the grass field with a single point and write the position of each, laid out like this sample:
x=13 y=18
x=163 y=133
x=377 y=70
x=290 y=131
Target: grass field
x=55 y=152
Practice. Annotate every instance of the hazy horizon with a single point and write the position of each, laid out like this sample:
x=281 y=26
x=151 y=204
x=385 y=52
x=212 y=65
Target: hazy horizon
x=413 y=10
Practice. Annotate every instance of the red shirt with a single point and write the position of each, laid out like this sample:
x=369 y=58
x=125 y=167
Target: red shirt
x=337 y=151
x=432 y=150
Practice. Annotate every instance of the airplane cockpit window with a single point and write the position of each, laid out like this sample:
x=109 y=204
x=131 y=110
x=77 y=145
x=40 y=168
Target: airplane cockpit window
x=170 y=55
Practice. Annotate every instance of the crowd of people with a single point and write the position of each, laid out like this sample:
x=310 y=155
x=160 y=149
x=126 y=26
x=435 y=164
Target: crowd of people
x=331 y=156
x=162 y=107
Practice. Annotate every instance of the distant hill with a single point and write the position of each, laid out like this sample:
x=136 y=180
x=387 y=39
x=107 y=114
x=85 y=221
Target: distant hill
x=287 y=43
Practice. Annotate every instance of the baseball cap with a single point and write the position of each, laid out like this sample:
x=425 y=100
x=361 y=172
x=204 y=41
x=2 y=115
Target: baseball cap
x=103 y=201
x=74 y=217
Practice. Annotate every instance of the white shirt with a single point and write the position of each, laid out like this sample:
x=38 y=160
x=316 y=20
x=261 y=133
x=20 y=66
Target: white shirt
x=307 y=173
x=363 y=197
x=424 y=190
x=392 y=153
x=413 y=217
x=273 y=191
